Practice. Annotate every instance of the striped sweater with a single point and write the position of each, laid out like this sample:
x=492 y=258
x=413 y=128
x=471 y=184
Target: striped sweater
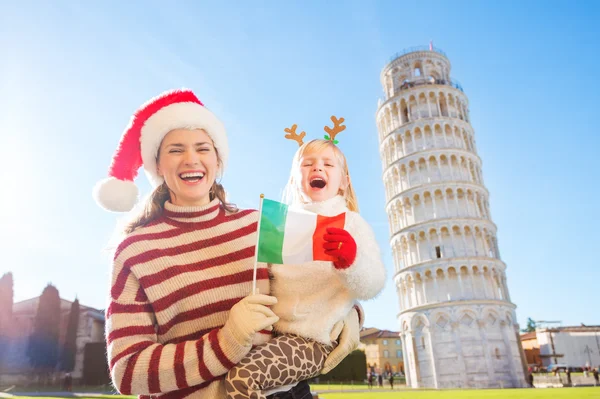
x=173 y=283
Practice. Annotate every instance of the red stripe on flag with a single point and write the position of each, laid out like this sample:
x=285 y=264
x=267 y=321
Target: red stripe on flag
x=323 y=222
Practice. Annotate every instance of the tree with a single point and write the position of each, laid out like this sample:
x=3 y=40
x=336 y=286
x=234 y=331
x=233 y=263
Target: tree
x=6 y=300
x=530 y=325
x=352 y=368
x=6 y=309
x=67 y=357
x=95 y=365
x=42 y=349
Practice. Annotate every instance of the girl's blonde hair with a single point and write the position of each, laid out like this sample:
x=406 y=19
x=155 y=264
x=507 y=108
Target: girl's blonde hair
x=292 y=193
x=155 y=204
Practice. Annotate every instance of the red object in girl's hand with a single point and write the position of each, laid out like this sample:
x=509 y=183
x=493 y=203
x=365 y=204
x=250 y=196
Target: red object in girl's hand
x=346 y=252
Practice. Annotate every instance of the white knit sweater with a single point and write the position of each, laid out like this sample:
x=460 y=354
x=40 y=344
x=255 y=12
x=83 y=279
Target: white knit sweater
x=313 y=296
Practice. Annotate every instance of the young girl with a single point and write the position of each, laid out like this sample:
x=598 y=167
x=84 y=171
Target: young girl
x=313 y=297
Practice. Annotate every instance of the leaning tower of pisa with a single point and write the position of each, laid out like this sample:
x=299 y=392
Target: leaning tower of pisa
x=457 y=322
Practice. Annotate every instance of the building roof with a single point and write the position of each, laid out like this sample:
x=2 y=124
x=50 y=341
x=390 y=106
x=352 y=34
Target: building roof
x=528 y=336
x=581 y=328
x=367 y=331
x=31 y=304
x=95 y=314
x=372 y=333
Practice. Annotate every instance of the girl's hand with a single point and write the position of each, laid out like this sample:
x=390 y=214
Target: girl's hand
x=340 y=244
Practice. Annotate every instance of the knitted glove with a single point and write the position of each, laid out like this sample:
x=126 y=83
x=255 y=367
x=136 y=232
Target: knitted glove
x=348 y=342
x=346 y=253
x=249 y=316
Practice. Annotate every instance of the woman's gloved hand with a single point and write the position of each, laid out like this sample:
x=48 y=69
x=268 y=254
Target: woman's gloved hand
x=249 y=316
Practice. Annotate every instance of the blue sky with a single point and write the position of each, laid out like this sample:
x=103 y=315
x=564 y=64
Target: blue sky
x=71 y=74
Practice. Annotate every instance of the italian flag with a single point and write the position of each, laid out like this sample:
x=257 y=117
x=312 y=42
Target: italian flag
x=293 y=236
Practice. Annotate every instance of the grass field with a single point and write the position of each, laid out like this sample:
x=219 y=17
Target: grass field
x=361 y=392
x=558 y=393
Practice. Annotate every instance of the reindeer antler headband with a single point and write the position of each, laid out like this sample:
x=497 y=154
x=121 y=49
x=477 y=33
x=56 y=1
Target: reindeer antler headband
x=333 y=131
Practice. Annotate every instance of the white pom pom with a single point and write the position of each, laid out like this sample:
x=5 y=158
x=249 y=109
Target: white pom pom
x=116 y=195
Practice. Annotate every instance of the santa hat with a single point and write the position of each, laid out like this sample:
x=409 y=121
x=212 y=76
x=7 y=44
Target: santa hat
x=176 y=109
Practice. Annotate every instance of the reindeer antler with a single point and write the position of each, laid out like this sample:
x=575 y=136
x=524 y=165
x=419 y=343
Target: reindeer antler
x=337 y=128
x=293 y=136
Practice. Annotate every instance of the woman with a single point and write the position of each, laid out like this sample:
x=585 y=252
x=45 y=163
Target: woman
x=179 y=315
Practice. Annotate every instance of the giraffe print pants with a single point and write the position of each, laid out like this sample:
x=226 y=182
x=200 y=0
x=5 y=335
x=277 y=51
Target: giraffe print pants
x=284 y=360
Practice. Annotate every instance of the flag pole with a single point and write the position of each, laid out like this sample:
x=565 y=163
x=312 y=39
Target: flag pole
x=262 y=196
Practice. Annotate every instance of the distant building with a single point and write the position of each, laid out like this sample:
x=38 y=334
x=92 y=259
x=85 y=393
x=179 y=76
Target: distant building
x=531 y=347
x=383 y=350
x=15 y=367
x=575 y=346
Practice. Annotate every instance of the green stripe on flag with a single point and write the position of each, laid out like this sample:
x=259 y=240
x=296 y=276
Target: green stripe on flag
x=272 y=228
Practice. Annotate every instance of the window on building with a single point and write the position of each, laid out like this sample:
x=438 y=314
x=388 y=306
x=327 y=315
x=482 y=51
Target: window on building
x=398 y=342
x=497 y=352
x=385 y=341
x=438 y=252
x=386 y=353
x=399 y=353
x=423 y=342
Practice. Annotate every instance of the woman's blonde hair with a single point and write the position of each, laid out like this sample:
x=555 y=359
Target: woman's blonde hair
x=155 y=204
x=292 y=193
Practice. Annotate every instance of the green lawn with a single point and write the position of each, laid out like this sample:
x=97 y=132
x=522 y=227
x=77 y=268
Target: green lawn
x=550 y=393
x=338 y=387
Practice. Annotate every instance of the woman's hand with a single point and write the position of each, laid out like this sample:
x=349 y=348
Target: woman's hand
x=249 y=316
x=340 y=244
x=348 y=342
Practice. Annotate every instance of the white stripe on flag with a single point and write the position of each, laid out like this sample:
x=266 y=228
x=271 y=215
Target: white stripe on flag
x=298 y=237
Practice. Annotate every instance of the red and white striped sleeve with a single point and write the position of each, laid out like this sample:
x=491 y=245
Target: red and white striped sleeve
x=142 y=366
